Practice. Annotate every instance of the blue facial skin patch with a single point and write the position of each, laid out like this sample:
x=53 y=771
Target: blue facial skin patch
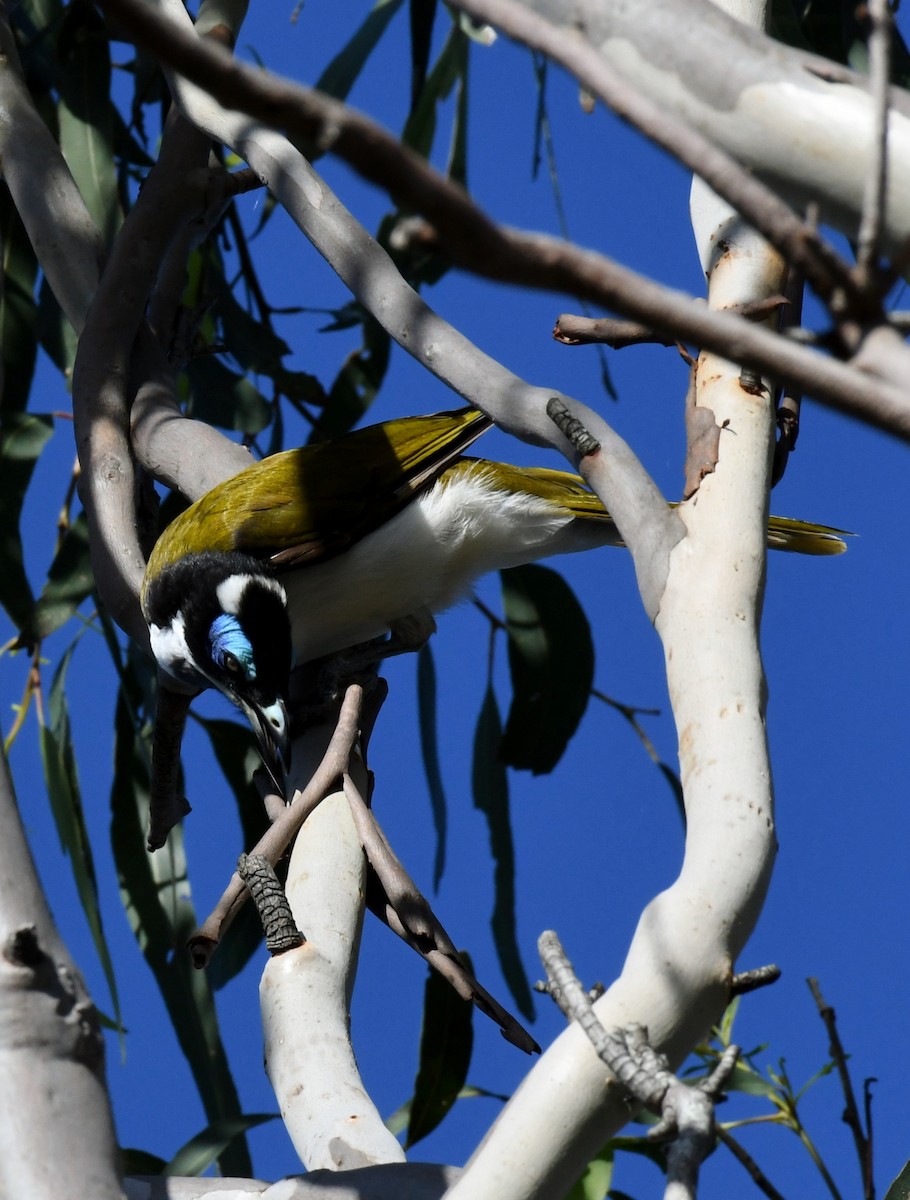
x=227 y=637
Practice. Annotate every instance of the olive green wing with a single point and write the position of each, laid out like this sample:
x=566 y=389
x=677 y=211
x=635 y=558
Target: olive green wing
x=309 y=504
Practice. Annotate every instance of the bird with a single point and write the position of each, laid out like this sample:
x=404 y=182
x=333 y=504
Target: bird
x=315 y=550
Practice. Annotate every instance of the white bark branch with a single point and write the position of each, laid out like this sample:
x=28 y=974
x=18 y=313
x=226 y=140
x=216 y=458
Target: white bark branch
x=54 y=1106
x=305 y=993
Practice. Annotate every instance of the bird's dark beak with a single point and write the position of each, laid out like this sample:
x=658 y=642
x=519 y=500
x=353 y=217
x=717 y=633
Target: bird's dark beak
x=272 y=728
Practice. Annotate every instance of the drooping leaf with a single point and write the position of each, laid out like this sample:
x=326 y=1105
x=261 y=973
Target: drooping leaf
x=219 y=396
x=420 y=128
x=140 y=1162
x=56 y=335
x=429 y=746
x=900 y=1187
x=595 y=1183
x=155 y=890
x=18 y=335
x=198 y=1154
x=342 y=72
x=69 y=581
x=490 y=788
x=356 y=384
x=22 y=438
x=551 y=662
x=422 y=15
x=446 y=1042
x=62 y=779
x=85 y=112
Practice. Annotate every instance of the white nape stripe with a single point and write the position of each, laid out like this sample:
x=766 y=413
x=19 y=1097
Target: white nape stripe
x=230 y=591
x=170 y=649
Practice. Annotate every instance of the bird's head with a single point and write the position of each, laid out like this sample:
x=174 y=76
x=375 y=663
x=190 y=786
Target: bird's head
x=220 y=620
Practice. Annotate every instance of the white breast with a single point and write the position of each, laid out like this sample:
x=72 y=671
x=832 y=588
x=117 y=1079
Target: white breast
x=428 y=556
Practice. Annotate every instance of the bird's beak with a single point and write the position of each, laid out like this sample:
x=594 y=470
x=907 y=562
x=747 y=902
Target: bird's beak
x=272 y=728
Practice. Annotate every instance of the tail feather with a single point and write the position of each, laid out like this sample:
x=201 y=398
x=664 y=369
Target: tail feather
x=804 y=537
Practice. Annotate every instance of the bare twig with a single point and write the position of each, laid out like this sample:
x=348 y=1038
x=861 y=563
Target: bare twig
x=477 y=244
x=573 y=330
x=739 y=1152
x=851 y=1117
x=750 y=981
x=395 y=898
x=278 y=837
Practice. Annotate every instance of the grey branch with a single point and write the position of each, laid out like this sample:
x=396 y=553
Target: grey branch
x=868 y=240
x=394 y=897
x=477 y=244
x=686 y=1113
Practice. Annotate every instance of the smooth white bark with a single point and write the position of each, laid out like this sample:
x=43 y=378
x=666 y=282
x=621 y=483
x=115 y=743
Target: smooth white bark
x=305 y=993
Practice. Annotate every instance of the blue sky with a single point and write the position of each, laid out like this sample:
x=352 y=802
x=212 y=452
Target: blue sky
x=598 y=838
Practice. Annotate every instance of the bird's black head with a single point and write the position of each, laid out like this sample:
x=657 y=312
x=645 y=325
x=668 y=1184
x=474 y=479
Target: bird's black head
x=221 y=620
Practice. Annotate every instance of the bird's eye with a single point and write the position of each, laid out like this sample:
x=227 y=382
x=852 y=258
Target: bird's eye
x=231 y=665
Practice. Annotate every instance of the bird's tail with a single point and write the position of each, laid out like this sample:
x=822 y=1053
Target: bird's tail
x=569 y=491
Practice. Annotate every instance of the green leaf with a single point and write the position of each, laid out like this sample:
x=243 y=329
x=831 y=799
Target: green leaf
x=422 y=16
x=491 y=795
x=140 y=1162
x=420 y=127
x=429 y=746
x=69 y=581
x=356 y=384
x=900 y=1188
x=342 y=72
x=206 y=1147
x=22 y=438
x=85 y=113
x=57 y=337
x=551 y=661
x=219 y=396
x=446 y=1042
x=595 y=1183
x=156 y=895
x=18 y=335
x=62 y=781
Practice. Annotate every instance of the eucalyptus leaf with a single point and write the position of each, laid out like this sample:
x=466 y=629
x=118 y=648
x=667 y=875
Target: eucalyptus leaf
x=155 y=891
x=198 y=1154
x=22 y=438
x=446 y=1042
x=221 y=397
x=551 y=662
x=69 y=581
x=62 y=779
x=490 y=788
x=18 y=333
x=85 y=113
x=429 y=746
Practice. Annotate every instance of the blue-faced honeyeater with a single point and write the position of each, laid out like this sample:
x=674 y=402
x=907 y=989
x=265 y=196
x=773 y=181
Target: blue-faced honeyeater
x=321 y=548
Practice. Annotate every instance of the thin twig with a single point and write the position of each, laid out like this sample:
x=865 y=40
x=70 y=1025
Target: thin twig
x=277 y=838
x=851 y=1116
x=739 y=1152
x=394 y=897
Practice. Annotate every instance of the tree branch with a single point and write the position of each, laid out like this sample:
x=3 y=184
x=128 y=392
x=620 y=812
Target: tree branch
x=476 y=243
x=51 y=1046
